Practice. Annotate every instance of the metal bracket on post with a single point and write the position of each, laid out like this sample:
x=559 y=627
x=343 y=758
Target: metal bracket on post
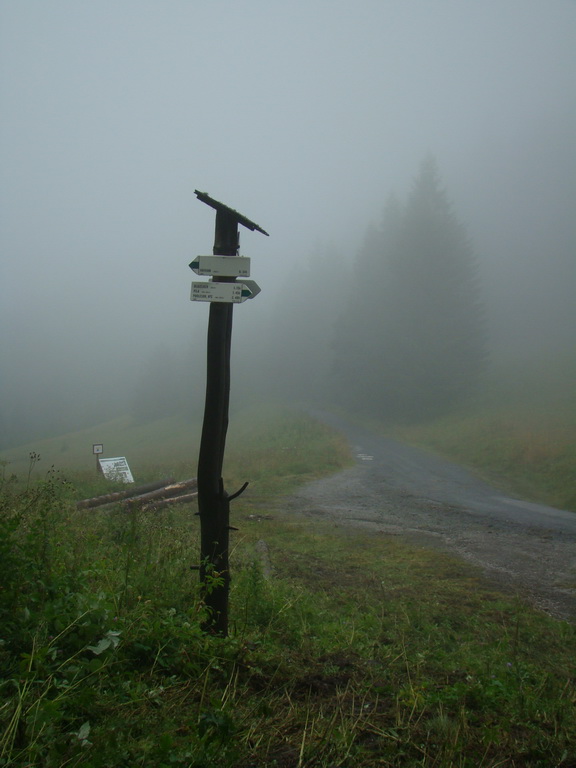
x=204 y=197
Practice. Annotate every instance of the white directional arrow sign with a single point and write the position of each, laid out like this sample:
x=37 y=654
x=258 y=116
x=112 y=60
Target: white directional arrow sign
x=230 y=293
x=221 y=266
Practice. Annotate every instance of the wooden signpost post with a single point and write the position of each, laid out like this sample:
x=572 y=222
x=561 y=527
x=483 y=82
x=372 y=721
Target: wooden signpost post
x=213 y=501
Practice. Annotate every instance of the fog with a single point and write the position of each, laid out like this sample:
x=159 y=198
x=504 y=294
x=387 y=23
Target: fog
x=304 y=116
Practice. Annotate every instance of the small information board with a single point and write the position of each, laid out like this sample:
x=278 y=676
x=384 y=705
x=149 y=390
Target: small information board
x=116 y=469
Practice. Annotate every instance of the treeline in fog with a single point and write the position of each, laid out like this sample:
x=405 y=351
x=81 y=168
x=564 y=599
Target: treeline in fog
x=402 y=329
x=411 y=340
x=402 y=334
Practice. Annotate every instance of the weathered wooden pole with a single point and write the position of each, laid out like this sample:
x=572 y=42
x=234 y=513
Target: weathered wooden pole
x=213 y=500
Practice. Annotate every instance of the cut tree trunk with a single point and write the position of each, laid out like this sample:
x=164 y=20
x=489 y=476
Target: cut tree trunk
x=109 y=498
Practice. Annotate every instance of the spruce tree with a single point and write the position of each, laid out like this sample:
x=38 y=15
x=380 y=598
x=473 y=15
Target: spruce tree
x=357 y=348
x=417 y=330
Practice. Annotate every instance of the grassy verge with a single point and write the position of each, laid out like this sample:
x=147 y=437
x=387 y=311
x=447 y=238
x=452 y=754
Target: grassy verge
x=520 y=434
x=356 y=650
x=530 y=455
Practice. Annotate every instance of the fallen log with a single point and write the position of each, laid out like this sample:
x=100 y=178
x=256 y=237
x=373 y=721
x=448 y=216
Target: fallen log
x=154 y=506
x=175 y=489
x=110 y=498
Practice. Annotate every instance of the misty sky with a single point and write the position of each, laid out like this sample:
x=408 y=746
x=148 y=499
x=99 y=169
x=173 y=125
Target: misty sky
x=304 y=116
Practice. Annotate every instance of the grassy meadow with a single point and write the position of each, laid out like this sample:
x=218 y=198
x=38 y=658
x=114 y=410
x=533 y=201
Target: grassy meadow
x=520 y=433
x=165 y=444
x=346 y=649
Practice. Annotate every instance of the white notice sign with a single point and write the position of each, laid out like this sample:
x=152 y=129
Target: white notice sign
x=223 y=292
x=221 y=266
x=116 y=469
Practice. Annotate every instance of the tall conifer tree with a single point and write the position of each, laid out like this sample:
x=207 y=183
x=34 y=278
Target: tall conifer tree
x=419 y=345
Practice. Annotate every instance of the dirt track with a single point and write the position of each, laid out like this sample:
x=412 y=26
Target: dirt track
x=524 y=547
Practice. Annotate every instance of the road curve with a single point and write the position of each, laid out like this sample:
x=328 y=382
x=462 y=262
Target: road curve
x=526 y=547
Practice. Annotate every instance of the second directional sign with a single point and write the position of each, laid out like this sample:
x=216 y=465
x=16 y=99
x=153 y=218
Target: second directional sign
x=231 y=293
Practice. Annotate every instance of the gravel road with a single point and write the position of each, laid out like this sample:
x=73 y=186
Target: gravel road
x=394 y=488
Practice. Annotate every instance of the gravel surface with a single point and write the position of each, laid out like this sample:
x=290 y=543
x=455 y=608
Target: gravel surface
x=393 y=488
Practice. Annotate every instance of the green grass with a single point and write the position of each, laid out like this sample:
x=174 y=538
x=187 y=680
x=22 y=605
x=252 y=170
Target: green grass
x=527 y=454
x=166 y=443
x=292 y=452
x=520 y=433
x=359 y=650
